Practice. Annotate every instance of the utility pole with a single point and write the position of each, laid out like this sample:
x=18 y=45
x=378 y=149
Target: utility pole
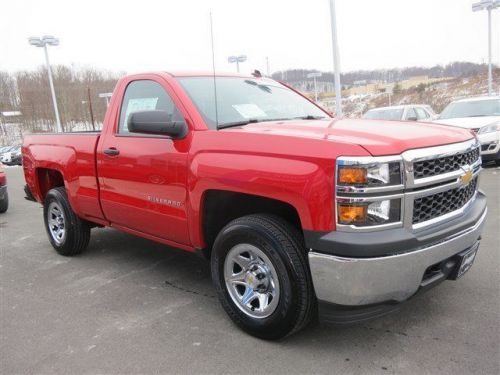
x=42 y=42
x=237 y=59
x=90 y=108
x=336 y=59
x=488 y=5
x=52 y=90
x=315 y=91
x=106 y=96
x=490 y=75
x=314 y=76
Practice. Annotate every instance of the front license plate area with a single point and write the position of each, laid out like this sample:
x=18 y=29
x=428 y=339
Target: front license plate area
x=465 y=262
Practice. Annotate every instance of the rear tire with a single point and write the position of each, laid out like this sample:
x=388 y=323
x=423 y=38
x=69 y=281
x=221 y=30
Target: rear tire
x=273 y=262
x=4 y=203
x=68 y=234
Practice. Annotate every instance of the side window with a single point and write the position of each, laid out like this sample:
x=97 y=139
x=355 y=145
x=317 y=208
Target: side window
x=421 y=113
x=410 y=113
x=145 y=95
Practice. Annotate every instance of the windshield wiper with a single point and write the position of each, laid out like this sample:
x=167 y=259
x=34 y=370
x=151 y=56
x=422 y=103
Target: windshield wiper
x=310 y=117
x=249 y=121
x=255 y=120
x=238 y=123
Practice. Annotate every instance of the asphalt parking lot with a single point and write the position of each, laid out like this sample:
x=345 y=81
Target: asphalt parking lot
x=128 y=305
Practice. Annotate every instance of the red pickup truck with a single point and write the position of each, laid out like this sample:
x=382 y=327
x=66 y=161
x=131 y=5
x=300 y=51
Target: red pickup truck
x=298 y=212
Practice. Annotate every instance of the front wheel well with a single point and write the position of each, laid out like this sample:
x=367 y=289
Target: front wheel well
x=220 y=207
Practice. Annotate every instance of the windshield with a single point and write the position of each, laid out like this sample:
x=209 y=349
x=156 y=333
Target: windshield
x=245 y=100
x=384 y=114
x=476 y=108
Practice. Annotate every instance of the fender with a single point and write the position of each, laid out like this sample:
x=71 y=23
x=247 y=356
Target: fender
x=302 y=184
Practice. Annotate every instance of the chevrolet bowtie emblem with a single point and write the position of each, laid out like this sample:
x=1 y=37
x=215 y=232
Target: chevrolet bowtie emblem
x=466 y=177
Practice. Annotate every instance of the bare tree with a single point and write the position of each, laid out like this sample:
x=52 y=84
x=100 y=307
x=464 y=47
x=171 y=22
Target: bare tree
x=28 y=92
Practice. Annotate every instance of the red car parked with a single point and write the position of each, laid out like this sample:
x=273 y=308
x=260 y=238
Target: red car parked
x=4 y=196
x=296 y=210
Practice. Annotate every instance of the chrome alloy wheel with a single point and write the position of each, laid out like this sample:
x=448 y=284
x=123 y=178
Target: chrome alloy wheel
x=56 y=223
x=251 y=281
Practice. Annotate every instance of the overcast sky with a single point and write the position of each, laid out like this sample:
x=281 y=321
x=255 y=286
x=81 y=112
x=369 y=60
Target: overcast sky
x=142 y=35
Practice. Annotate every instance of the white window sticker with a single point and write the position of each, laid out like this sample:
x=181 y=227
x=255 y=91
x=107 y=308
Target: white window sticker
x=249 y=110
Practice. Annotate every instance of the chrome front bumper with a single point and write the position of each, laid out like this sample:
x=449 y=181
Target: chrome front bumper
x=362 y=281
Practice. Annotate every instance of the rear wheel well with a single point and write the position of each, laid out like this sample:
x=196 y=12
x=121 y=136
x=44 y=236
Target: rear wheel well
x=220 y=207
x=48 y=179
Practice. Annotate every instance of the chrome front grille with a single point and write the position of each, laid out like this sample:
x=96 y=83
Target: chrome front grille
x=433 y=167
x=438 y=184
x=439 y=204
x=443 y=180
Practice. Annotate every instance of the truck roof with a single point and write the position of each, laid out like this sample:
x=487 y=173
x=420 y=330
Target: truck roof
x=209 y=74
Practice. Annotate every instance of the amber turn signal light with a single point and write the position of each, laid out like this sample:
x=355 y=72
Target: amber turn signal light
x=348 y=175
x=351 y=214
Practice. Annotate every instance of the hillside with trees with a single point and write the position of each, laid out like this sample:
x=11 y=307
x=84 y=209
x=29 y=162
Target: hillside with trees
x=454 y=69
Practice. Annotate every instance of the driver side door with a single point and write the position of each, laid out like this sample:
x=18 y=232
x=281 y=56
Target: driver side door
x=143 y=178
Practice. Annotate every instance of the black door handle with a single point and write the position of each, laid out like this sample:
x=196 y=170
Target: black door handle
x=112 y=151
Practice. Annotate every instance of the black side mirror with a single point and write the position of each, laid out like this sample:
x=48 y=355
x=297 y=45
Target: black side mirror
x=156 y=122
x=412 y=118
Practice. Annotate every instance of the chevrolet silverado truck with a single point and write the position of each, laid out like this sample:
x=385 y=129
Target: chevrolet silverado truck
x=300 y=214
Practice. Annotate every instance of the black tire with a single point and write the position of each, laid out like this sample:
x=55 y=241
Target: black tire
x=497 y=162
x=284 y=247
x=77 y=231
x=4 y=203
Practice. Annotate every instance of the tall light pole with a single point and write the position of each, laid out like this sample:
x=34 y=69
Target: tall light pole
x=314 y=76
x=107 y=96
x=336 y=59
x=43 y=42
x=488 y=5
x=237 y=59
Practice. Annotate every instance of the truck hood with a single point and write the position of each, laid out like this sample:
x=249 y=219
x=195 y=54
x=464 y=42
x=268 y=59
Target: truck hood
x=469 y=122
x=376 y=136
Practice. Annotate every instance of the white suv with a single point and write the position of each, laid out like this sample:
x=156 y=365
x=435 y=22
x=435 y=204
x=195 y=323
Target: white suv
x=481 y=115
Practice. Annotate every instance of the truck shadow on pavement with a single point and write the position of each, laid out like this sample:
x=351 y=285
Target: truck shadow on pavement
x=188 y=275
x=180 y=270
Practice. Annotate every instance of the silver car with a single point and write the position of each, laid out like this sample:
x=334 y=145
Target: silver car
x=409 y=112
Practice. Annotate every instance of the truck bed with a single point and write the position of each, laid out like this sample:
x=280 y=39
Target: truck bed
x=73 y=156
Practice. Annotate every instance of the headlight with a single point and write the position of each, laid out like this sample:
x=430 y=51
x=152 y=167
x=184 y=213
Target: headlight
x=369 y=175
x=363 y=192
x=369 y=213
x=489 y=128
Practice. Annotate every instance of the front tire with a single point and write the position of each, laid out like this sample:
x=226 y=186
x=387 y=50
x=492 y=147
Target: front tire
x=261 y=275
x=68 y=234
